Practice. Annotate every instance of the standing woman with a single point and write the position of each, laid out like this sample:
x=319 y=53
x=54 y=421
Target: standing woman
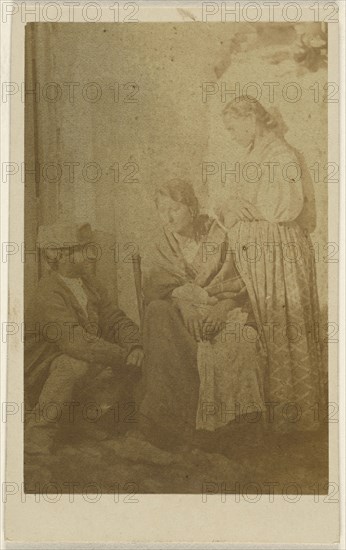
x=268 y=230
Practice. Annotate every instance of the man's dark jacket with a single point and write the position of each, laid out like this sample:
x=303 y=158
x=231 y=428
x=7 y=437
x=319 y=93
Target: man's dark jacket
x=56 y=324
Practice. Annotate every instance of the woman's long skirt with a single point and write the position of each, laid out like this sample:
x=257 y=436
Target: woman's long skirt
x=170 y=383
x=277 y=263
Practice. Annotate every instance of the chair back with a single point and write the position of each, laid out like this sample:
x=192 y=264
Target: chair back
x=137 y=274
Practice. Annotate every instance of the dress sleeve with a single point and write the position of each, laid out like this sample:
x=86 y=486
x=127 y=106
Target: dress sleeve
x=280 y=195
x=160 y=272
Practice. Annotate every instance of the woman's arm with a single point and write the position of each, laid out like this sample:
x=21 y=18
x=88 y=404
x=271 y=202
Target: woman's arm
x=280 y=195
x=159 y=285
x=237 y=210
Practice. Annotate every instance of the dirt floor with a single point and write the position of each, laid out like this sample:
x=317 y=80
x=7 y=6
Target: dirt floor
x=289 y=464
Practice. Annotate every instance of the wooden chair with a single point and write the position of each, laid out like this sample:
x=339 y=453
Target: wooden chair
x=137 y=274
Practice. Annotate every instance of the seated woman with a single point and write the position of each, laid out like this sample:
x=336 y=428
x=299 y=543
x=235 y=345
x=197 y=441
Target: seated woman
x=202 y=366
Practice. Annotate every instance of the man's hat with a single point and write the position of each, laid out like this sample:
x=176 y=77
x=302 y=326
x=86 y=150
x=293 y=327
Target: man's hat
x=64 y=235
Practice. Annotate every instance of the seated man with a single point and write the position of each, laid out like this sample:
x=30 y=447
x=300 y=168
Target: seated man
x=73 y=332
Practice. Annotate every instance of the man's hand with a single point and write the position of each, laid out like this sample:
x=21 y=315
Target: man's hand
x=135 y=358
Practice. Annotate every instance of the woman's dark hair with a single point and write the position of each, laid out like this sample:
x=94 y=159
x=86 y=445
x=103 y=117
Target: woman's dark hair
x=182 y=191
x=245 y=105
x=179 y=191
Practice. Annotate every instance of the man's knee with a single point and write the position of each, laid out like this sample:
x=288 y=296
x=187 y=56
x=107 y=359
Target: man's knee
x=76 y=368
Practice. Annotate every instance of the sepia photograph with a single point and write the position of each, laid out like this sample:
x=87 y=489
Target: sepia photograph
x=173 y=257
x=176 y=257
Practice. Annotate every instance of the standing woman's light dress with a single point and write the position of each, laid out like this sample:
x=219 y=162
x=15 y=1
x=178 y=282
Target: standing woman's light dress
x=275 y=259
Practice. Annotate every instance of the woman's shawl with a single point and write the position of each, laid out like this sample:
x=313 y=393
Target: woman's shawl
x=213 y=268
